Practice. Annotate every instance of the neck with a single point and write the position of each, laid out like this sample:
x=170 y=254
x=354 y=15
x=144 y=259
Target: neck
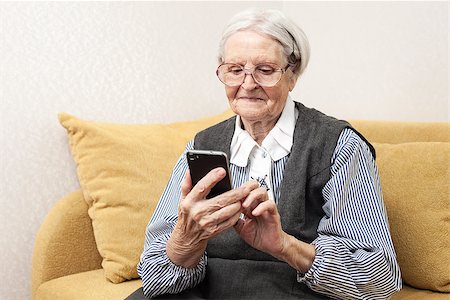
x=258 y=130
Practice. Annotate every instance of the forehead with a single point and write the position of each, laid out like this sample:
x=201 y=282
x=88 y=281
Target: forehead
x=251 y=47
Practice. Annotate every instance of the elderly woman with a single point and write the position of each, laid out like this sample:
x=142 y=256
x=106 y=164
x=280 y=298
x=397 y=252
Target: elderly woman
x=311 y=226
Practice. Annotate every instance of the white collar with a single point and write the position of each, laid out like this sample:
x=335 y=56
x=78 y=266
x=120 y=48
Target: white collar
x=277 y=143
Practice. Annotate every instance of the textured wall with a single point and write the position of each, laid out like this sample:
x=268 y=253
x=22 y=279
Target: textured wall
x=154 y=62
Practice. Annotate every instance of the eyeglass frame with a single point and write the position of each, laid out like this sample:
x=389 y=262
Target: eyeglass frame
x=246 y=71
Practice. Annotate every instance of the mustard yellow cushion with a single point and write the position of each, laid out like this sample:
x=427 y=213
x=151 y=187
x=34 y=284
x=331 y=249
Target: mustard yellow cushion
x=415 y=178
x=123 y=170
x=395 y=132
x=90 y=285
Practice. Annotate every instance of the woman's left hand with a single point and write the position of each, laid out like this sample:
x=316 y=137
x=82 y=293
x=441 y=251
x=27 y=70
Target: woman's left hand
x=261 y=226
x=261 y=229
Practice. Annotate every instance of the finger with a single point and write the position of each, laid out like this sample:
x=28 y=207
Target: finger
x=186 y=185
x=267 y=206
x=230 y=222
x=220 y=220
x=230 y=197
x=255 y=197
x=204 y=186
x=238 y=225
x=251 y=185
x=226 y=212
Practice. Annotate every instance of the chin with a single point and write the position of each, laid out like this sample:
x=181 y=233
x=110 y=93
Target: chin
x=251 y=114
x=249 y=110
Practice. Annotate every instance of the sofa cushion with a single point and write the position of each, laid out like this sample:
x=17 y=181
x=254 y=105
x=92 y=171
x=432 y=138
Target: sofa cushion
x=123 y=170
x=394 y=132
x=65 y=242
x=86 y=286
x=410 y=293
x=92 y=285
x=415 y=178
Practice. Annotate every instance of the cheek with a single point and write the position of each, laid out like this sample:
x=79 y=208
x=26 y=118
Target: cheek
x=274 y=94
x=231 y=92
x=279 y=92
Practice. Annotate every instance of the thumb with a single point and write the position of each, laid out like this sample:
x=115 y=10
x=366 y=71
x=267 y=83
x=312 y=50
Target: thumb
x=186 y=185
x=238 y=226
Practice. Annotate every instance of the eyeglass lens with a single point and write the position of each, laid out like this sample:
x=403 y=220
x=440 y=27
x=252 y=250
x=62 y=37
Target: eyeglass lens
x=264 y=74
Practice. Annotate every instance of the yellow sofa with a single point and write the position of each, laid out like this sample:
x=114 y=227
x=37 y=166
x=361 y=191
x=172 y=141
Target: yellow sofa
x=72 y=258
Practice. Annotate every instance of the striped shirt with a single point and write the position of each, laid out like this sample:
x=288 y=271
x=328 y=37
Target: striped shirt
x=355 y=257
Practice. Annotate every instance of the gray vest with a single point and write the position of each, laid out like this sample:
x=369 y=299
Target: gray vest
x=236 y=270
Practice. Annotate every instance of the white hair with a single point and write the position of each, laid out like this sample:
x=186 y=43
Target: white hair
x=276 y=25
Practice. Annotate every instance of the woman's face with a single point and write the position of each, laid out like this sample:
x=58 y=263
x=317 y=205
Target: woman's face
x=252 y=102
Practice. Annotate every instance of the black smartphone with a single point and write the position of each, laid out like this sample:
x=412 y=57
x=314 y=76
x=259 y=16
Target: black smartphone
x=200 y=162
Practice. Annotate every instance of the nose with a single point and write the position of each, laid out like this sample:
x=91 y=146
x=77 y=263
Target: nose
x=249 y=82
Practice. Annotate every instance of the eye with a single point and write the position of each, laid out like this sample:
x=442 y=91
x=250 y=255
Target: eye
x=265 y=69
x=235 y=69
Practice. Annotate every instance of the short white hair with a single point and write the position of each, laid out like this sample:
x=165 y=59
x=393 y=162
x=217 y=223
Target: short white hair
x=277 y=26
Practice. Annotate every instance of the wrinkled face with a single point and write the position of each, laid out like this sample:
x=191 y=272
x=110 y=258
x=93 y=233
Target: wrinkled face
x=252 y=102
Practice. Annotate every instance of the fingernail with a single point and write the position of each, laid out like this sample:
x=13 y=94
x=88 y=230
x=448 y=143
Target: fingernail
x=247 y=190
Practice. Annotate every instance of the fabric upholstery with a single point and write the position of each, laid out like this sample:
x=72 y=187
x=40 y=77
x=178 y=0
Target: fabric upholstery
x=122 y=171
x=410 y=293
x=415 y=178
x=65 y=242
x=96 y=287
x=90 y=285
x=393 y=132
x=93 y=285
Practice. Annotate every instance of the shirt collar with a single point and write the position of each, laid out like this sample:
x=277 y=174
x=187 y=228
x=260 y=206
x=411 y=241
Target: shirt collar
x=278 y=142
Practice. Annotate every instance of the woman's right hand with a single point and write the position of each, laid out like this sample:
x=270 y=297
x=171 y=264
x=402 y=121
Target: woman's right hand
x=200 y=219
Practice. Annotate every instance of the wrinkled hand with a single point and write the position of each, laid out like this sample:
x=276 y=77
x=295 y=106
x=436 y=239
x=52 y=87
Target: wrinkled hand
x=261 y=226
x=201 y=219
x=261 y=229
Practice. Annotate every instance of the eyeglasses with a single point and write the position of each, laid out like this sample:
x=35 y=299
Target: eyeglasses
x=266 y=75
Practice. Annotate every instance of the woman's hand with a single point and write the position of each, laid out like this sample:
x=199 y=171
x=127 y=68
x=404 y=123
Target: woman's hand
x=261 y=229
x=201 y=219
x=261 y=225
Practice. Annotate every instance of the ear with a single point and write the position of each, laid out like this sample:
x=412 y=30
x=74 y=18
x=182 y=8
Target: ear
x=292 y=80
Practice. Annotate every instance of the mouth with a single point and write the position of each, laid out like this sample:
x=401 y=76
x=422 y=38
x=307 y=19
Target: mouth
x=250 y=98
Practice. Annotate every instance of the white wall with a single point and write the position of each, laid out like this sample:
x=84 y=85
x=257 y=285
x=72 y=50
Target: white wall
x=147 y=62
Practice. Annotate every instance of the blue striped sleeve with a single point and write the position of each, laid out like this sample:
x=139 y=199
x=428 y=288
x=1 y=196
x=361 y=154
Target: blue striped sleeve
x=355 y=257
x=168 y=203
x=159 y=275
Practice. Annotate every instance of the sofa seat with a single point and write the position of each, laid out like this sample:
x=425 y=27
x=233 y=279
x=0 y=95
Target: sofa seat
x=86 y=286
x=93 y=285
x=410 y=293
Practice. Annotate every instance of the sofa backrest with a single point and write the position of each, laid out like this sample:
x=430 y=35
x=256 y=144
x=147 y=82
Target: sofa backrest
x=413 y=160
x=392 y=132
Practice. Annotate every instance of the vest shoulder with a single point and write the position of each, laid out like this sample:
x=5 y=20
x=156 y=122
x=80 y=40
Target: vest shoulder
x=219 y=127
x=324 y=125
x=314 y=116
x=319 y=123
x=213 y=137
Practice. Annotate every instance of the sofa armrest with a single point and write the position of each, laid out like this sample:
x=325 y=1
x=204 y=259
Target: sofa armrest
x=65 y=242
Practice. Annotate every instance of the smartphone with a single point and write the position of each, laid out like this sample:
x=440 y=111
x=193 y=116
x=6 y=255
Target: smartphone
x=200 y=162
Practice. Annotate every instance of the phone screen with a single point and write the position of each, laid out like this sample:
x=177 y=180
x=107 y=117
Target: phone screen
x=202 y=161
